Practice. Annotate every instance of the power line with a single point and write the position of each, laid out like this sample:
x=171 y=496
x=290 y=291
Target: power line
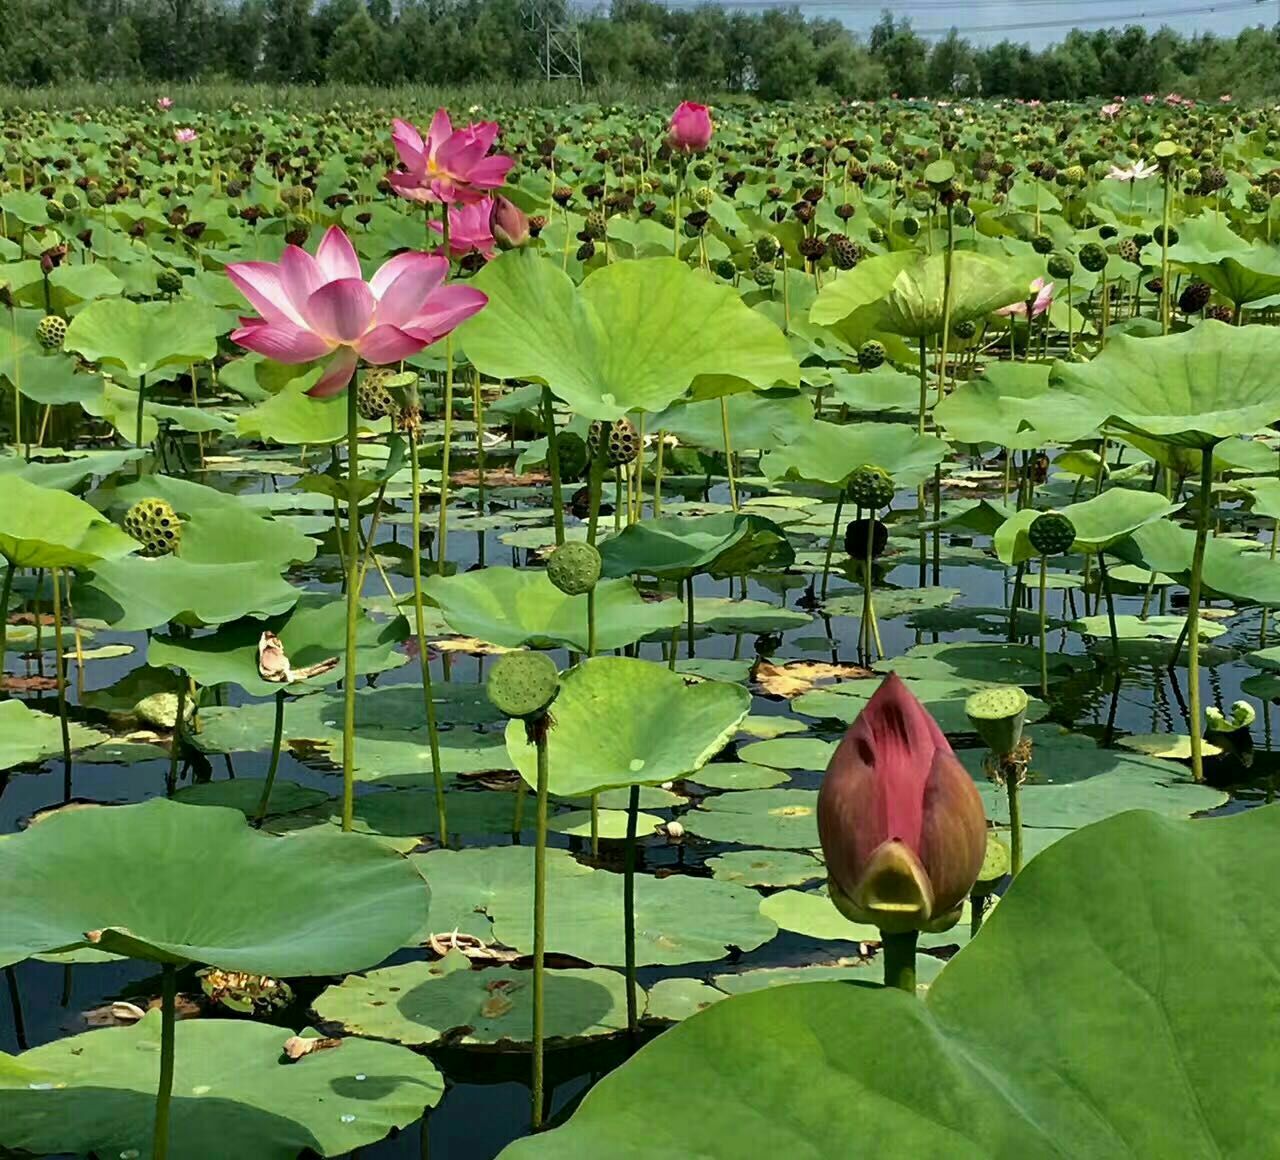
x=1110 y=20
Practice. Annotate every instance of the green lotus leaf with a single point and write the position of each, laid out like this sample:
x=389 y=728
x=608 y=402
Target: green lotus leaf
x=1241 y=272
x=1232 y=568
x=234 y=1093
x=758 y=420
x=1192 y=389
x=829 y=453
x=811 y=753
x=140 y=337
x=28 y=736
x=1012 y=405
x=311 y=632
x=137 y=880
x=244 y=794
x=983 y=661
x=1071 y=1063
x=766 y=867
x=420 y=1004
x=292 y=417
x=863 y=286
x=518 y=608
x=43 y=528
x=778 y=819
x=624 y=721
x=883 y=390
x=634 y=336
x=676 y=547
x=980 y=284
x=1099 y=522
x=944 y=697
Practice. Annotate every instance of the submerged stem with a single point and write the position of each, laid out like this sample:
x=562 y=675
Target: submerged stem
x=629 y=908
x=277 y=733
x=539 y=922
x=1193 y=612
x=352 y=562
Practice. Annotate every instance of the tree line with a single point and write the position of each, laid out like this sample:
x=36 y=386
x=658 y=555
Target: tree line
x=701 y=51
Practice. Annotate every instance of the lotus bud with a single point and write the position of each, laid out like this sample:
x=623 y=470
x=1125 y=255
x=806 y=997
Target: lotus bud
x=900 y=820
x=691 y=128
x=997 y=715
x=509 y=224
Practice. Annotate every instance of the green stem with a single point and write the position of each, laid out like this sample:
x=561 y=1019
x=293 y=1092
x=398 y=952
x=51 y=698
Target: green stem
x=977 y=908
x=1044 y=651
x=899 y=951
x=168 y=1001
x=6 y=589
x=728 y=451
x=553 y=463
x=831 y=544
x=596 y=484
x=1193 y=611
x=924 y=403
x=591 y=622
x=1015 y=601
x=420 y=631
x=277 y=733
x=1015 y=821
x=60 y=678
x=442 y=533
x=688 y=608
x=868 y=606
x=657 y=476
x=353 y=612
x=1104 y=582
x=175 y=746
x=539 y=920
x=629 y=908
x=137 y=427
x=1164 y=260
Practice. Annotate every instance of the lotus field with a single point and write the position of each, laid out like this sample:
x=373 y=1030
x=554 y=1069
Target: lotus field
x=599 y=632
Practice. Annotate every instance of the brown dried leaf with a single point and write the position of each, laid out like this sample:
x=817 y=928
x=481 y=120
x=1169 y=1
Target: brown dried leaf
x=16 y=684
x=469 y=644
x=295 y=1047
x=791 y=678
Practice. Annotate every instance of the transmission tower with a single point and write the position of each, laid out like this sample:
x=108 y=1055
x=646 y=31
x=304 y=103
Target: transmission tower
x=553 y=26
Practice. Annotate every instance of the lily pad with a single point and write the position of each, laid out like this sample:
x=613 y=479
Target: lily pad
x=43 y=528
x=28 y=736
x=766 y=867
x=676 y=547
x=779 y=819
x=829 y=453
x=244 y=794
x=810 y=753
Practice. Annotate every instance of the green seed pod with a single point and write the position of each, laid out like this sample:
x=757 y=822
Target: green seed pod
x=1093 y=257
x=995 y=865
x=1158 y=235
x=523 y=684
x=766 y=247
x=51 y=331
x=965 y=329
x=1051 y=534
x=169 y=282
x=574 y=568
x=573 y=455
x=910 y=226
x=1129 y=251
x=1061 y=265
x=997 y=715
x=704 y=196
x=871 y=354
x=374 y=399
x=871 y=488
x=155 y=525
x=725 y=269
x=1042 y=244
x=962 y=215
x=762 y=273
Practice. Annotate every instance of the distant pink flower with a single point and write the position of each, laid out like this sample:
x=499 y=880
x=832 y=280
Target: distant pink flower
x=1107 y=112
x=452 y=165
x=510 y=224
x=164 y=104
x=1148 y=98
x=470 y=229
x=1225 y=98
x=1043 y=300
x=691 y=128
x=185 y=136
x=314 y=307
x=1173 y=99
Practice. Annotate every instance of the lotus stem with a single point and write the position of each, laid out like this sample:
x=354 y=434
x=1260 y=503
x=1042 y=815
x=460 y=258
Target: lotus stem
x=539 y=918
x=442 y=534
x=629 y=909
x=596 y=484
x=277 y=733
x=728 y=451
x=175 y=745
x=352 y=563
x=6 y=590
x=60 y=679
x=977 y=908
x=168 y=1002
x=899 y=952
x=831 y=544
x=1104 y=582
x=924 y=403
x=420 y=631
x=865 y=634
x=553 y=463
x=137 y=427
x=1164 y=257
x=688 y=607
x=657 y=473
x=1012 y=784
x=15 y=1004
x=591 y=622
x=1044 y=651
x=1193 y=612
x=1016 y=599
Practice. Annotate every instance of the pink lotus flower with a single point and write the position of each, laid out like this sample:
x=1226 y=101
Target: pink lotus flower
x=691 y=128
x=510 y=224
x=469 y=229
x=185 y=136
x=1043 y=299
x=1108 y=112
x=901 y=822
x=1148 y=98
x=1225 y=98
x=164 y=104
x=450 y=166
x=314 y=307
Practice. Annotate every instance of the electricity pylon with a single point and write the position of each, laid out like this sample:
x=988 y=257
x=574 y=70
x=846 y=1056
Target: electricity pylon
x=554 y=28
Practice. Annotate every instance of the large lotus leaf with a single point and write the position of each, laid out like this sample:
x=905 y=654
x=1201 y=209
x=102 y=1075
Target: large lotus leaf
x=758 y=420
x=979 y=284
x=291 y=416
x=1012 y=405
x=420 y=1004
x=944 y=698
x=520 y=607
x=137 y=593
x=679 y=919
x=883 y=390
x=985 y=661
x=218 y=527
x=829 y=453
x=1191 y=389
x=1091 y=1044
x=313 y=631
x=778 y=819
x=1232 y=568
x=625 y=721
x=140 y=337
x=28 y=736
x=1100 y=522
x=235 y=1095
x=863 y=286
x=43 y=528
x=1242 y=272
x=138 y=881
x=634 y=336
x=675 y=547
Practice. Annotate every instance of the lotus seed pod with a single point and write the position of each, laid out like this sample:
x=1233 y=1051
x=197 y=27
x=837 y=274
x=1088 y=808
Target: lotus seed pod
x=1158 y=235
x=620 y=442
x=995 y=865
x=169 y=282
x=855 y=538
x=871 y=354
x=574 y=568
x=1042 y=244
x=997 y=715
x=1061 y=266
x=1194 y=297
x=910 y=226
x=523 y=684
x=845 y=252
x=1093 y=257
x=766 y=247
x=596 y=226
x=374 y=399
x=1259 y=200
x=965 y=329
x=1128 y=250
x=1051 y=534
x=573 y=455
x=704 y=196
x=725 y=269
x=871 y=487
x=51 y=331
x=155 y=525
x=762 y=273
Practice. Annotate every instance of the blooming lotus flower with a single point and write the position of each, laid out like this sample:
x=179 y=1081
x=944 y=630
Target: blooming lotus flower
x=452 y=165
x=469 y=229
x=1148 y=98
x=1225 y=98
x=313 y=307
x=185 y=136
x=164 y=104
x=1138 y=171
x=900 y=820
x=1108 y=112
x=691 y=128
x=1043 y=299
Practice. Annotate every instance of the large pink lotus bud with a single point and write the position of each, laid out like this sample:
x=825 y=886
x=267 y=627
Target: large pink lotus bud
x=510 y=224
x=690 y=128
x=902 y=826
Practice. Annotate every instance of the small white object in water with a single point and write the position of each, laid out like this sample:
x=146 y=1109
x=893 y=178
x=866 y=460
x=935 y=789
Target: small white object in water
x=675 y=831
